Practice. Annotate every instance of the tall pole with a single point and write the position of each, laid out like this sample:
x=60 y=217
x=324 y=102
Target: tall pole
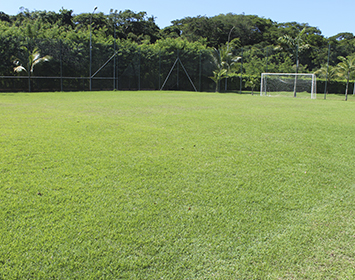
x=139 y=68
x=326 y=76
x=229 y=36
x=114 y=48
x=95 y=8
x=267 y=58
x=241 y=74
x=266 y=70
x=297 y=64
x=177 y=71
x=200 y=72
x=61 y=65
x=159 y=67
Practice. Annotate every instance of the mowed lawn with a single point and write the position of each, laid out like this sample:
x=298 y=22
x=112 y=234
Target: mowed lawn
x=176 y=185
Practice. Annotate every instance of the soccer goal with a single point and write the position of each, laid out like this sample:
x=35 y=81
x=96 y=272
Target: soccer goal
x=288 y=84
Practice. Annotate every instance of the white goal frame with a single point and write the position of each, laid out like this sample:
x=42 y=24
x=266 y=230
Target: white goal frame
x=312 y=77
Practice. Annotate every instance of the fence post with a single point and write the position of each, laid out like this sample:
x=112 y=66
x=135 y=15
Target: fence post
x=29 y=81
x=159 y=69
x=119 y=76
x=114 y=64
x=61 y=65
x=177 y=69
x=139 y=68
x=116 y=71
x=200 y=73
x=266 y=70
x=267 y=58
x=241 y=73
x=326 y=76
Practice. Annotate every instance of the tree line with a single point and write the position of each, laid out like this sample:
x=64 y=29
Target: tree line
x=249 y=44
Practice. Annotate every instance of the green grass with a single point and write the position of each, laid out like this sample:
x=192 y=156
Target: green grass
x=176 y=185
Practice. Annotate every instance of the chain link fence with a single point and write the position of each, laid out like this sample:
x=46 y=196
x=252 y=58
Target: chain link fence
x=127 y=66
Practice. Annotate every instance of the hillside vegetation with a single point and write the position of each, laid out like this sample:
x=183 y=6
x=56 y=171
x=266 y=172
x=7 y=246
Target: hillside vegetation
x=66 y=37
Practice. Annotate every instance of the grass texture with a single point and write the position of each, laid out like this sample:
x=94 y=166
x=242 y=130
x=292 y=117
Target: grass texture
x=176 y=185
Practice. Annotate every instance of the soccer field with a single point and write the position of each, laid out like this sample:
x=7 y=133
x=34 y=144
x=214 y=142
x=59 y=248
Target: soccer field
x=176 y=185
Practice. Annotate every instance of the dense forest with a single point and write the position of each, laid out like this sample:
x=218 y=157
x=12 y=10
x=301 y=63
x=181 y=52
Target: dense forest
x=127 y=50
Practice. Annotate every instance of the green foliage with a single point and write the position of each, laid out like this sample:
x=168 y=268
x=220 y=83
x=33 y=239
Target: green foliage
x=293 y=45
x=29 y=61
x=346 y=68
x=248 y=29
x=252 y=82
x=327 y=72
x=333 y=86
x=173 y=44
x=4 y=17
x=218 y=75
x=33 y=58
x=65 y=37
x=224 y=63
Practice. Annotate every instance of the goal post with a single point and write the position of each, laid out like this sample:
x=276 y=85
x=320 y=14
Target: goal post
x=288 y=84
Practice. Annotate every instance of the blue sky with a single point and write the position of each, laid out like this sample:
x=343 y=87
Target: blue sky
x=331 y=17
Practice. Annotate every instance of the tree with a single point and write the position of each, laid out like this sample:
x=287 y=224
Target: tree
x=252 y=82
x=295 y=46
x=218 y=75
x=327 y=72
x=66 y=18
x=224 y=62
x=219 y=64
x=250 y=29
x=345 y=68
x=136 y=27
x=4 y=17
x=33 y=59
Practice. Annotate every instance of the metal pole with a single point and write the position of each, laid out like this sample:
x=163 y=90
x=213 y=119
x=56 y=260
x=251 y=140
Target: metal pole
x=61 y=65
x=241 y=73
x=326 y=76
x=267 y=58
x=159 y=67
x=297 y=64
x=171 y=70
x=114 y=48
x=139 y=68
x=199 y=74
x=177 y=71
x=95 y=8
x=119 y=84
x=264 y=83
x=29 y=81
x=229 y=36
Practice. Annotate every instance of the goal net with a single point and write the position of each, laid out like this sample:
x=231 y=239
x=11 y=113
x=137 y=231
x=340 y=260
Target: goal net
x=288 y=84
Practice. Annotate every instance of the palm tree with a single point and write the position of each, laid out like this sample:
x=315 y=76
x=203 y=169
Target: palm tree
x=224 y=61
x=33 y=59
x=295 y=46
x=345 y=68
x=220 y=66
x=218 y=75
x=327 y=72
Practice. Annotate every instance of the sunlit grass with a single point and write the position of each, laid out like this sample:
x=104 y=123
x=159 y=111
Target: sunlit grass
x=175 y=185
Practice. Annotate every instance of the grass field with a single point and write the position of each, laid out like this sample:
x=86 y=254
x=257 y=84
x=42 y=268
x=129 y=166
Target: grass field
x=176 y=185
